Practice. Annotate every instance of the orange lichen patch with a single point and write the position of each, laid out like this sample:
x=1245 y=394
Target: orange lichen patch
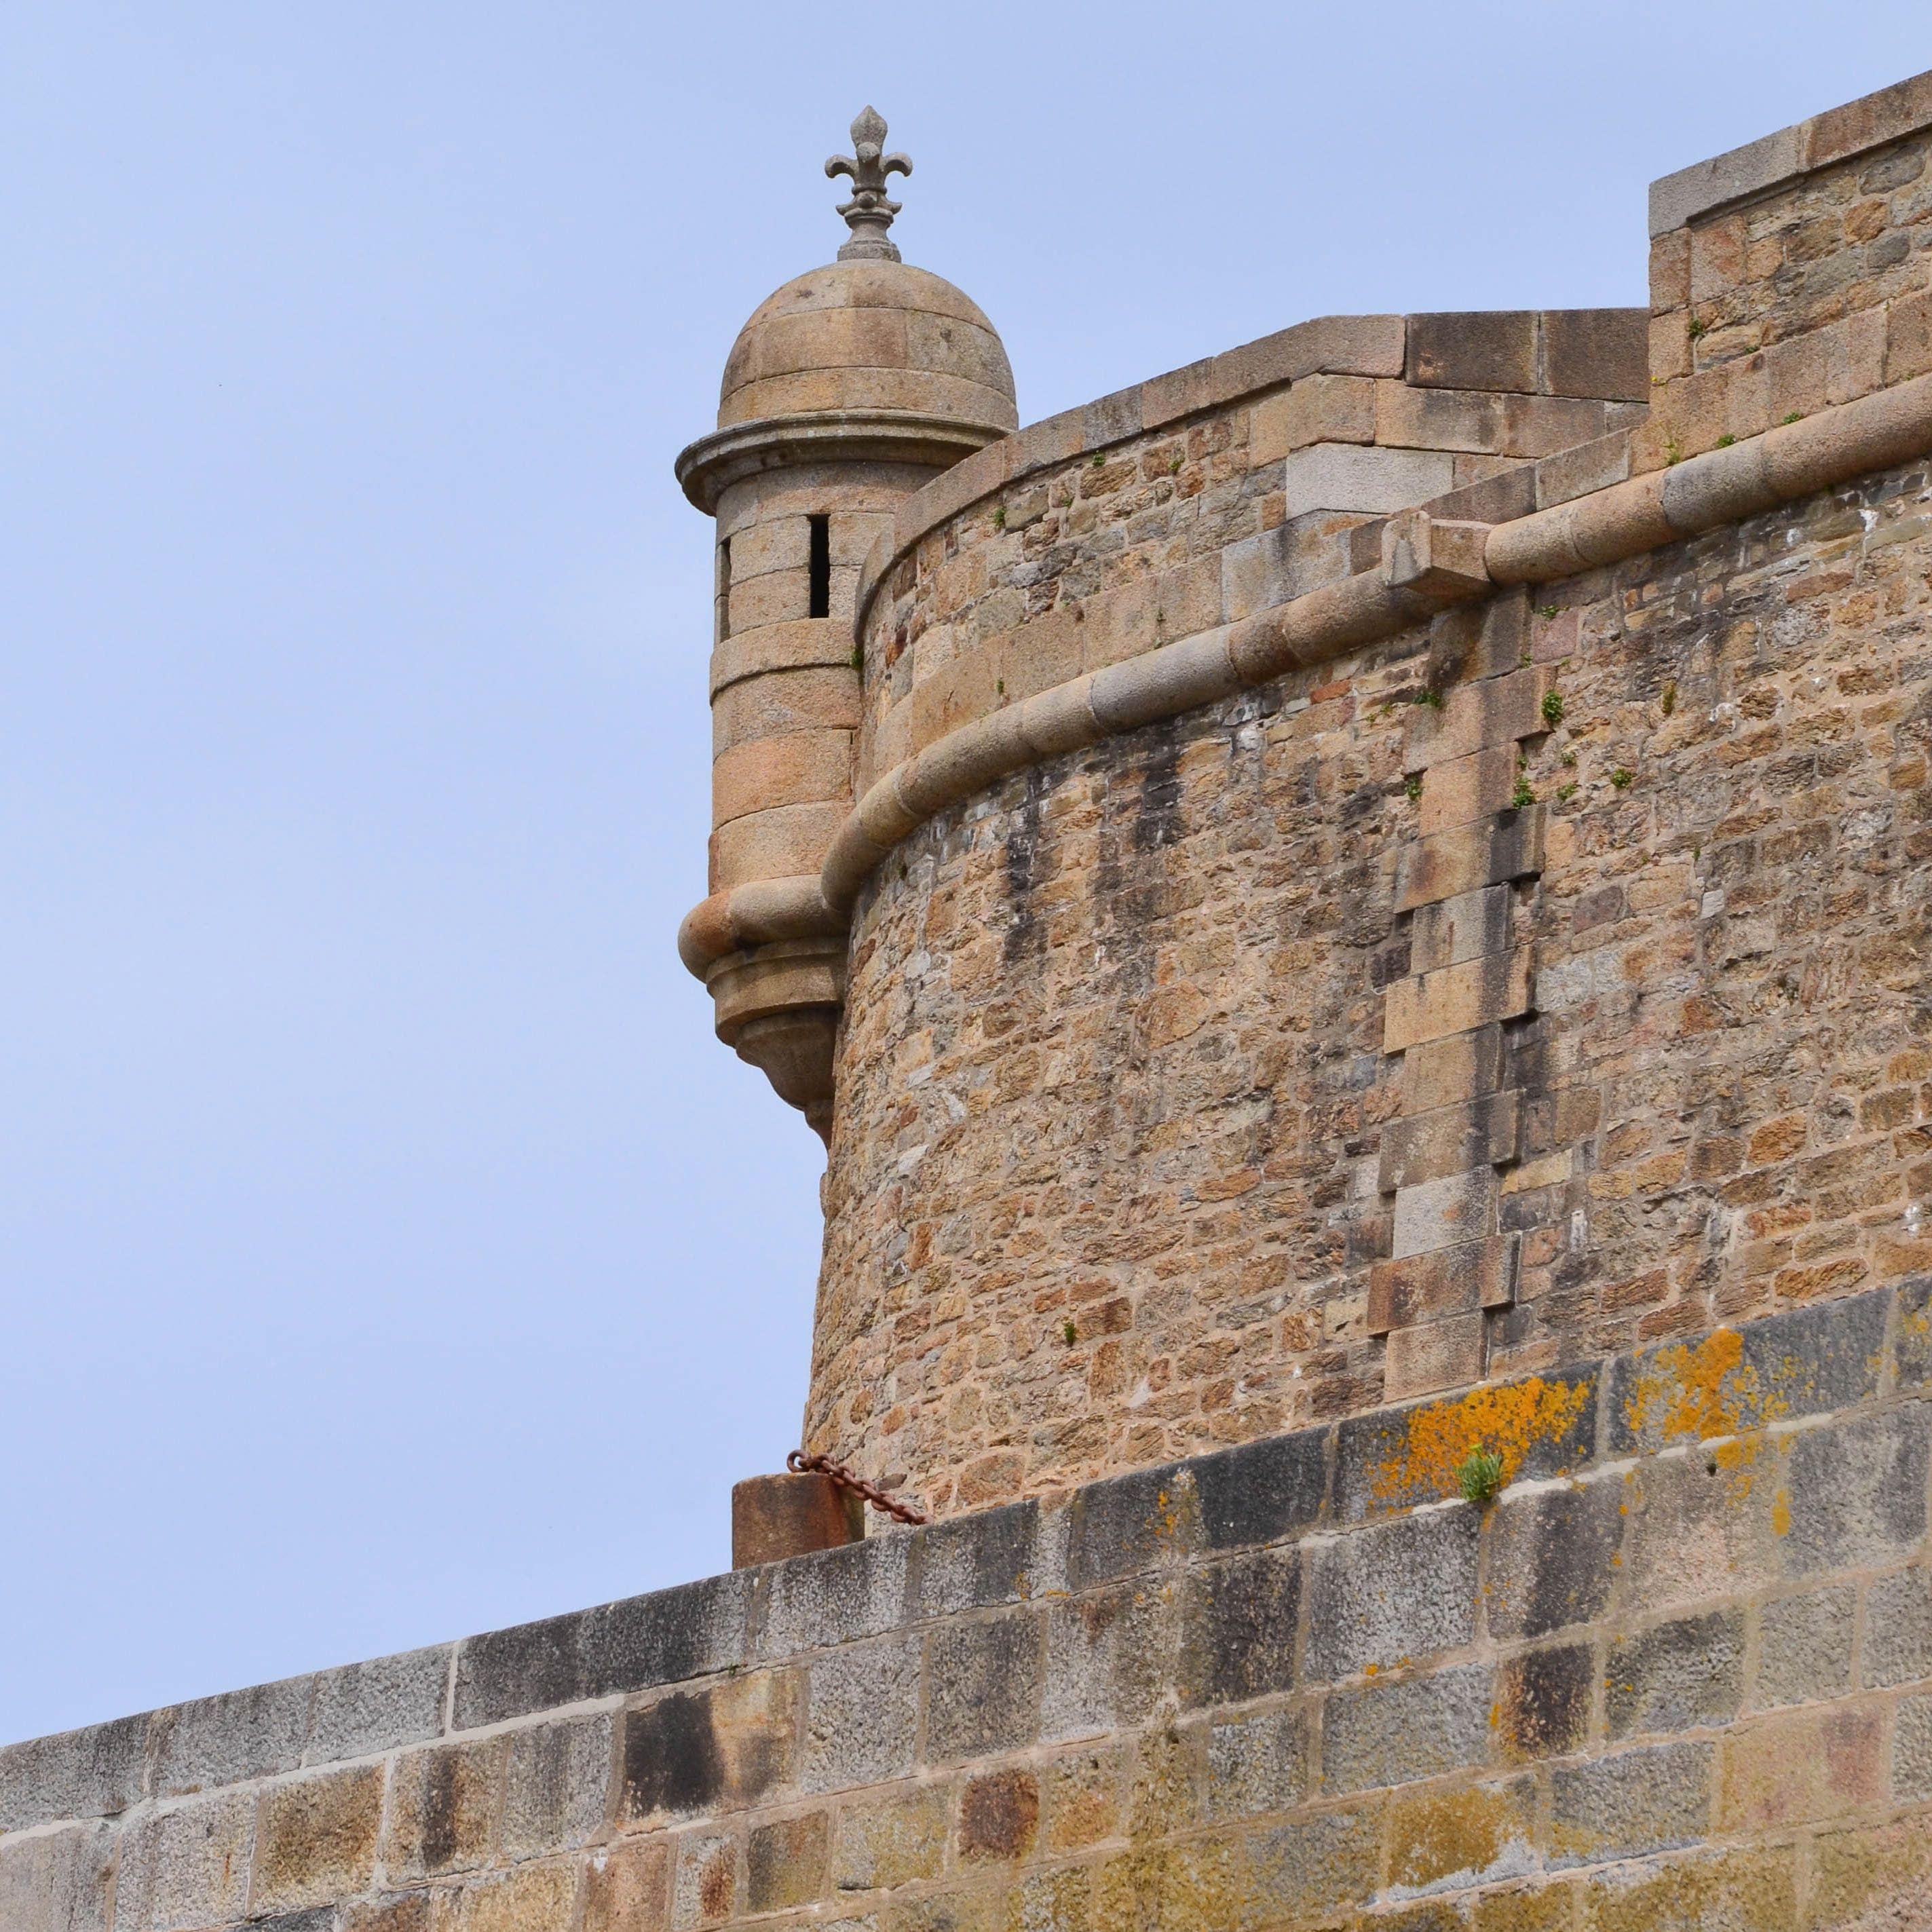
x=1510 y=1422
x=1693 y=1389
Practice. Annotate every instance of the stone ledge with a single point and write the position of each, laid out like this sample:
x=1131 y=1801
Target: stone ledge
x=1744 y=172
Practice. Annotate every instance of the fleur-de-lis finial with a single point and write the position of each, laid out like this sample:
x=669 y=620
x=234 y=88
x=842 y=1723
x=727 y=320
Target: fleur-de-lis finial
x=869 y=214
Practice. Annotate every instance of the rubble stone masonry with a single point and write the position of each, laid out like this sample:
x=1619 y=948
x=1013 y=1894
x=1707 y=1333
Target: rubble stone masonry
x=1678 y=1675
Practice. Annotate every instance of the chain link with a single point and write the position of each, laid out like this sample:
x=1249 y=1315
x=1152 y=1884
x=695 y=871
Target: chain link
x=800 y=1464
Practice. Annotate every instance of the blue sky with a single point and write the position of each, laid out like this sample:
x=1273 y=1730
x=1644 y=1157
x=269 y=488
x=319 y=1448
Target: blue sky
x=387 y=1251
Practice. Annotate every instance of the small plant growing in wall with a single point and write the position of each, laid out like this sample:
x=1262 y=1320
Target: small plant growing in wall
x=1481 y=1476
x=1413 y=786
x=1725 y=441
x=1000 y=518
x=1069 y=1334
x=1623 y=777
x=1553 y=708
x=1669 y=699
x=1522 y=797
x=1433 y=699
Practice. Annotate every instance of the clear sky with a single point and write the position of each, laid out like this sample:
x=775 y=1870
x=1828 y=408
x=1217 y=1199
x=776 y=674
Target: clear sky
x=387 y=1250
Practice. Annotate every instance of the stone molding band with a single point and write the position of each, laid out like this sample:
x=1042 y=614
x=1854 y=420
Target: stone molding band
x=1702 y=494
x=710 y=466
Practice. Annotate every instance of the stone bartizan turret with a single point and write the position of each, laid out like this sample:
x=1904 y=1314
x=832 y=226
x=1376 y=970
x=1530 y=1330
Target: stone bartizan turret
x=846 y=391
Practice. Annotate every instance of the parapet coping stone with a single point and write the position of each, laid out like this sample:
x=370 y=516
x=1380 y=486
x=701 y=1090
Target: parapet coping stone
x=1373 y=346
x=1759 y=166
x=1786 y=1371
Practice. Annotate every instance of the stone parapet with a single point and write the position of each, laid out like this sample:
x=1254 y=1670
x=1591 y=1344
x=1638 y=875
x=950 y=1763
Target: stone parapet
x=1678 y=1671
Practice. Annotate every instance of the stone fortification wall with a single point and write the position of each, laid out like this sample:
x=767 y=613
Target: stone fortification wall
x=1539 y=980
x=1678 y=1675
x=1201 y=497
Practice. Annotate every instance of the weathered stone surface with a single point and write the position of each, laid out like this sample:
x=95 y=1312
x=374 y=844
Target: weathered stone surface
x=727 y=1746
x=893 y=1842
x=1911 y=1750
x=442 y=1808
x=1699 y=1528
x=57 y=1880
x=974 y=1562
x=834 y=1595
x=773 y=1517
x=1788 y=1770
x=316 y=1839
x=1110 y=1655
x=861 y=1714
x=1440 y=1839
x=786 y=1860
x=1387 y=1734
x=94 y=1773
x=983 y=1686
x=1320 y=1860
x=1804 y=1647
x=375 y=1706
x=1403 y=1589
x=557 y=1785
x=1496 y=350
x=1863 y=1877
x=1239 y=1621
x=1807 y=1363
x=1118 y=1527
x=1541 y=1427
x=1736 y=1891
x=1647 y=1800
x=1262 y=1492
x=626 y=1888
x=1257 y=1764
x=186 y=1864
x=1676 y=1676
x=1914 y=1342
x=1543 y=1702
x=1858 y=1491
x=218 y=1740
x=1552 y=1558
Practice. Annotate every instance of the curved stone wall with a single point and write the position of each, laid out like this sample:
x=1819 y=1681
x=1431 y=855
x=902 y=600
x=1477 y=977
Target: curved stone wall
x=1128 y=1143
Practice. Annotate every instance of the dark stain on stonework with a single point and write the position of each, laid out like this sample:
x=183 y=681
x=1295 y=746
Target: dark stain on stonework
x=999 y=1816
x=1025 y=937
x=1543 y=1701
x=1158 y=822
x=672 y=1761
x=442 y=1801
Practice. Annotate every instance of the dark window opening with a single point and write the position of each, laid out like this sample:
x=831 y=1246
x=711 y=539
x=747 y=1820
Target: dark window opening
x=821 y=566
x=724 y=590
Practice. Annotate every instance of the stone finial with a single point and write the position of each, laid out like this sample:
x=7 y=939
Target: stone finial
x=869 y=214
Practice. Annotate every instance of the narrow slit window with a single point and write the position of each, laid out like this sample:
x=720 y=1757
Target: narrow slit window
x=821 y=566
x=724 y=590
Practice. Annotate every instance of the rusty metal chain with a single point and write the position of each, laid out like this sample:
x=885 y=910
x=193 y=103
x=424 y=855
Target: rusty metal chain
x=800 y=1464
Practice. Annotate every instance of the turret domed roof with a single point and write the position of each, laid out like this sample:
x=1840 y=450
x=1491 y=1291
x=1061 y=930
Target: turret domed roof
x=869 y=335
